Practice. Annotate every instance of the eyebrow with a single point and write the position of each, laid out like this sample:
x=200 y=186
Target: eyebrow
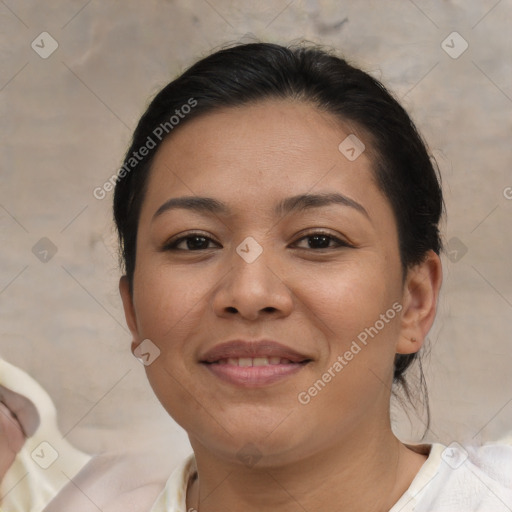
x=297 y=203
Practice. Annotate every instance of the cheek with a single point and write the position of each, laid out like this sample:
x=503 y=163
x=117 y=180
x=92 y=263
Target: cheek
x=348 y=298
x=170 y=305
x=169 y=302
x=357 y=310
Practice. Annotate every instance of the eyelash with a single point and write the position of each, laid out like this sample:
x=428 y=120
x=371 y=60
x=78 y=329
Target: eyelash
x=172 y=244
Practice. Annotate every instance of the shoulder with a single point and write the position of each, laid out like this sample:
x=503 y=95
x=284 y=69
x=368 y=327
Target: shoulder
x=173 y=497
x=467 y=478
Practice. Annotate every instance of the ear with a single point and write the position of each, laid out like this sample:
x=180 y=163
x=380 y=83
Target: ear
x=420 y=294
x=129 y=310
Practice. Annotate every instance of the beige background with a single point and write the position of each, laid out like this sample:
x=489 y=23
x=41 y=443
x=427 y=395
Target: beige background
x=67 y=121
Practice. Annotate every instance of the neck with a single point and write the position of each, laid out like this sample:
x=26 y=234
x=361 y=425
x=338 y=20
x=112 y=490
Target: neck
x=370 y=472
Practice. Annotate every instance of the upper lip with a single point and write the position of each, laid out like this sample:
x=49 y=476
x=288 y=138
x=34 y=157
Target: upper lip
x=259 y=348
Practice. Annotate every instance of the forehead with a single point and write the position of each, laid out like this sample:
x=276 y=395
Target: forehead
x=259 y=153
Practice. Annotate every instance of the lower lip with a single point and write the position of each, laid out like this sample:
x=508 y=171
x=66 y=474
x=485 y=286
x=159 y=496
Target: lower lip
x=254 y=376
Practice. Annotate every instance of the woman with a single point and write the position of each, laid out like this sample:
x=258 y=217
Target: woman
x=278 y=218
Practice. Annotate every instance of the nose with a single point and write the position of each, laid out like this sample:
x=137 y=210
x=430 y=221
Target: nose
x=253 y=290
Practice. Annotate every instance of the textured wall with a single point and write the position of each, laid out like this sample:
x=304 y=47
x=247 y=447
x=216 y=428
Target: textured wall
x=67 y=120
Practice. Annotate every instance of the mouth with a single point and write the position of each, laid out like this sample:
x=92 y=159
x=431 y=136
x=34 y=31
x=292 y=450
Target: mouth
x=253 y=363
x=256 y=361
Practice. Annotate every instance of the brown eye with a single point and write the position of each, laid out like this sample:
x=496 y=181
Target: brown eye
x=321 y=240
x=193 y=242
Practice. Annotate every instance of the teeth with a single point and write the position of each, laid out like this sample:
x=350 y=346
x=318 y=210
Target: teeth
x=254 y=361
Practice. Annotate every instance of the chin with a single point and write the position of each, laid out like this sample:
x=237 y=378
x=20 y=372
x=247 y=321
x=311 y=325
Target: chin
x=272 y=442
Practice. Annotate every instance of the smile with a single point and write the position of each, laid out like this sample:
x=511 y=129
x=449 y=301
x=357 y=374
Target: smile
x=254 y=361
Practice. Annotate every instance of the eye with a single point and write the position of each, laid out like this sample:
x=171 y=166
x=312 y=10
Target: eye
x=322 y=240
x=198 y=242
x=191 y=242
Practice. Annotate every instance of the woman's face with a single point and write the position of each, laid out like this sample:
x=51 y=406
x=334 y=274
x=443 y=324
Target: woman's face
x=321 y=276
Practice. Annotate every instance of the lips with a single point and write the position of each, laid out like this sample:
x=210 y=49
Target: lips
x=243 y=350
x=253 y=363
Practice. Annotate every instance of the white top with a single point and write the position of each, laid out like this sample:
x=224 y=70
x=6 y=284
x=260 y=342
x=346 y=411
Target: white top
x=453 y=479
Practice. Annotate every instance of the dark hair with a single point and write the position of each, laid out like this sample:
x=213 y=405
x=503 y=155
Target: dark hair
x=248 y=73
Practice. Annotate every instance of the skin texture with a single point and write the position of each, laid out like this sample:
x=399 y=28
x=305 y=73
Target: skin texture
x=11 y=439
x=337 y=452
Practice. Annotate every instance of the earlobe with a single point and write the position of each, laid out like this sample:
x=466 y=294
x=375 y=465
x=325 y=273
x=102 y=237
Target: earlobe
x=129 y=310
x=421 y=291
